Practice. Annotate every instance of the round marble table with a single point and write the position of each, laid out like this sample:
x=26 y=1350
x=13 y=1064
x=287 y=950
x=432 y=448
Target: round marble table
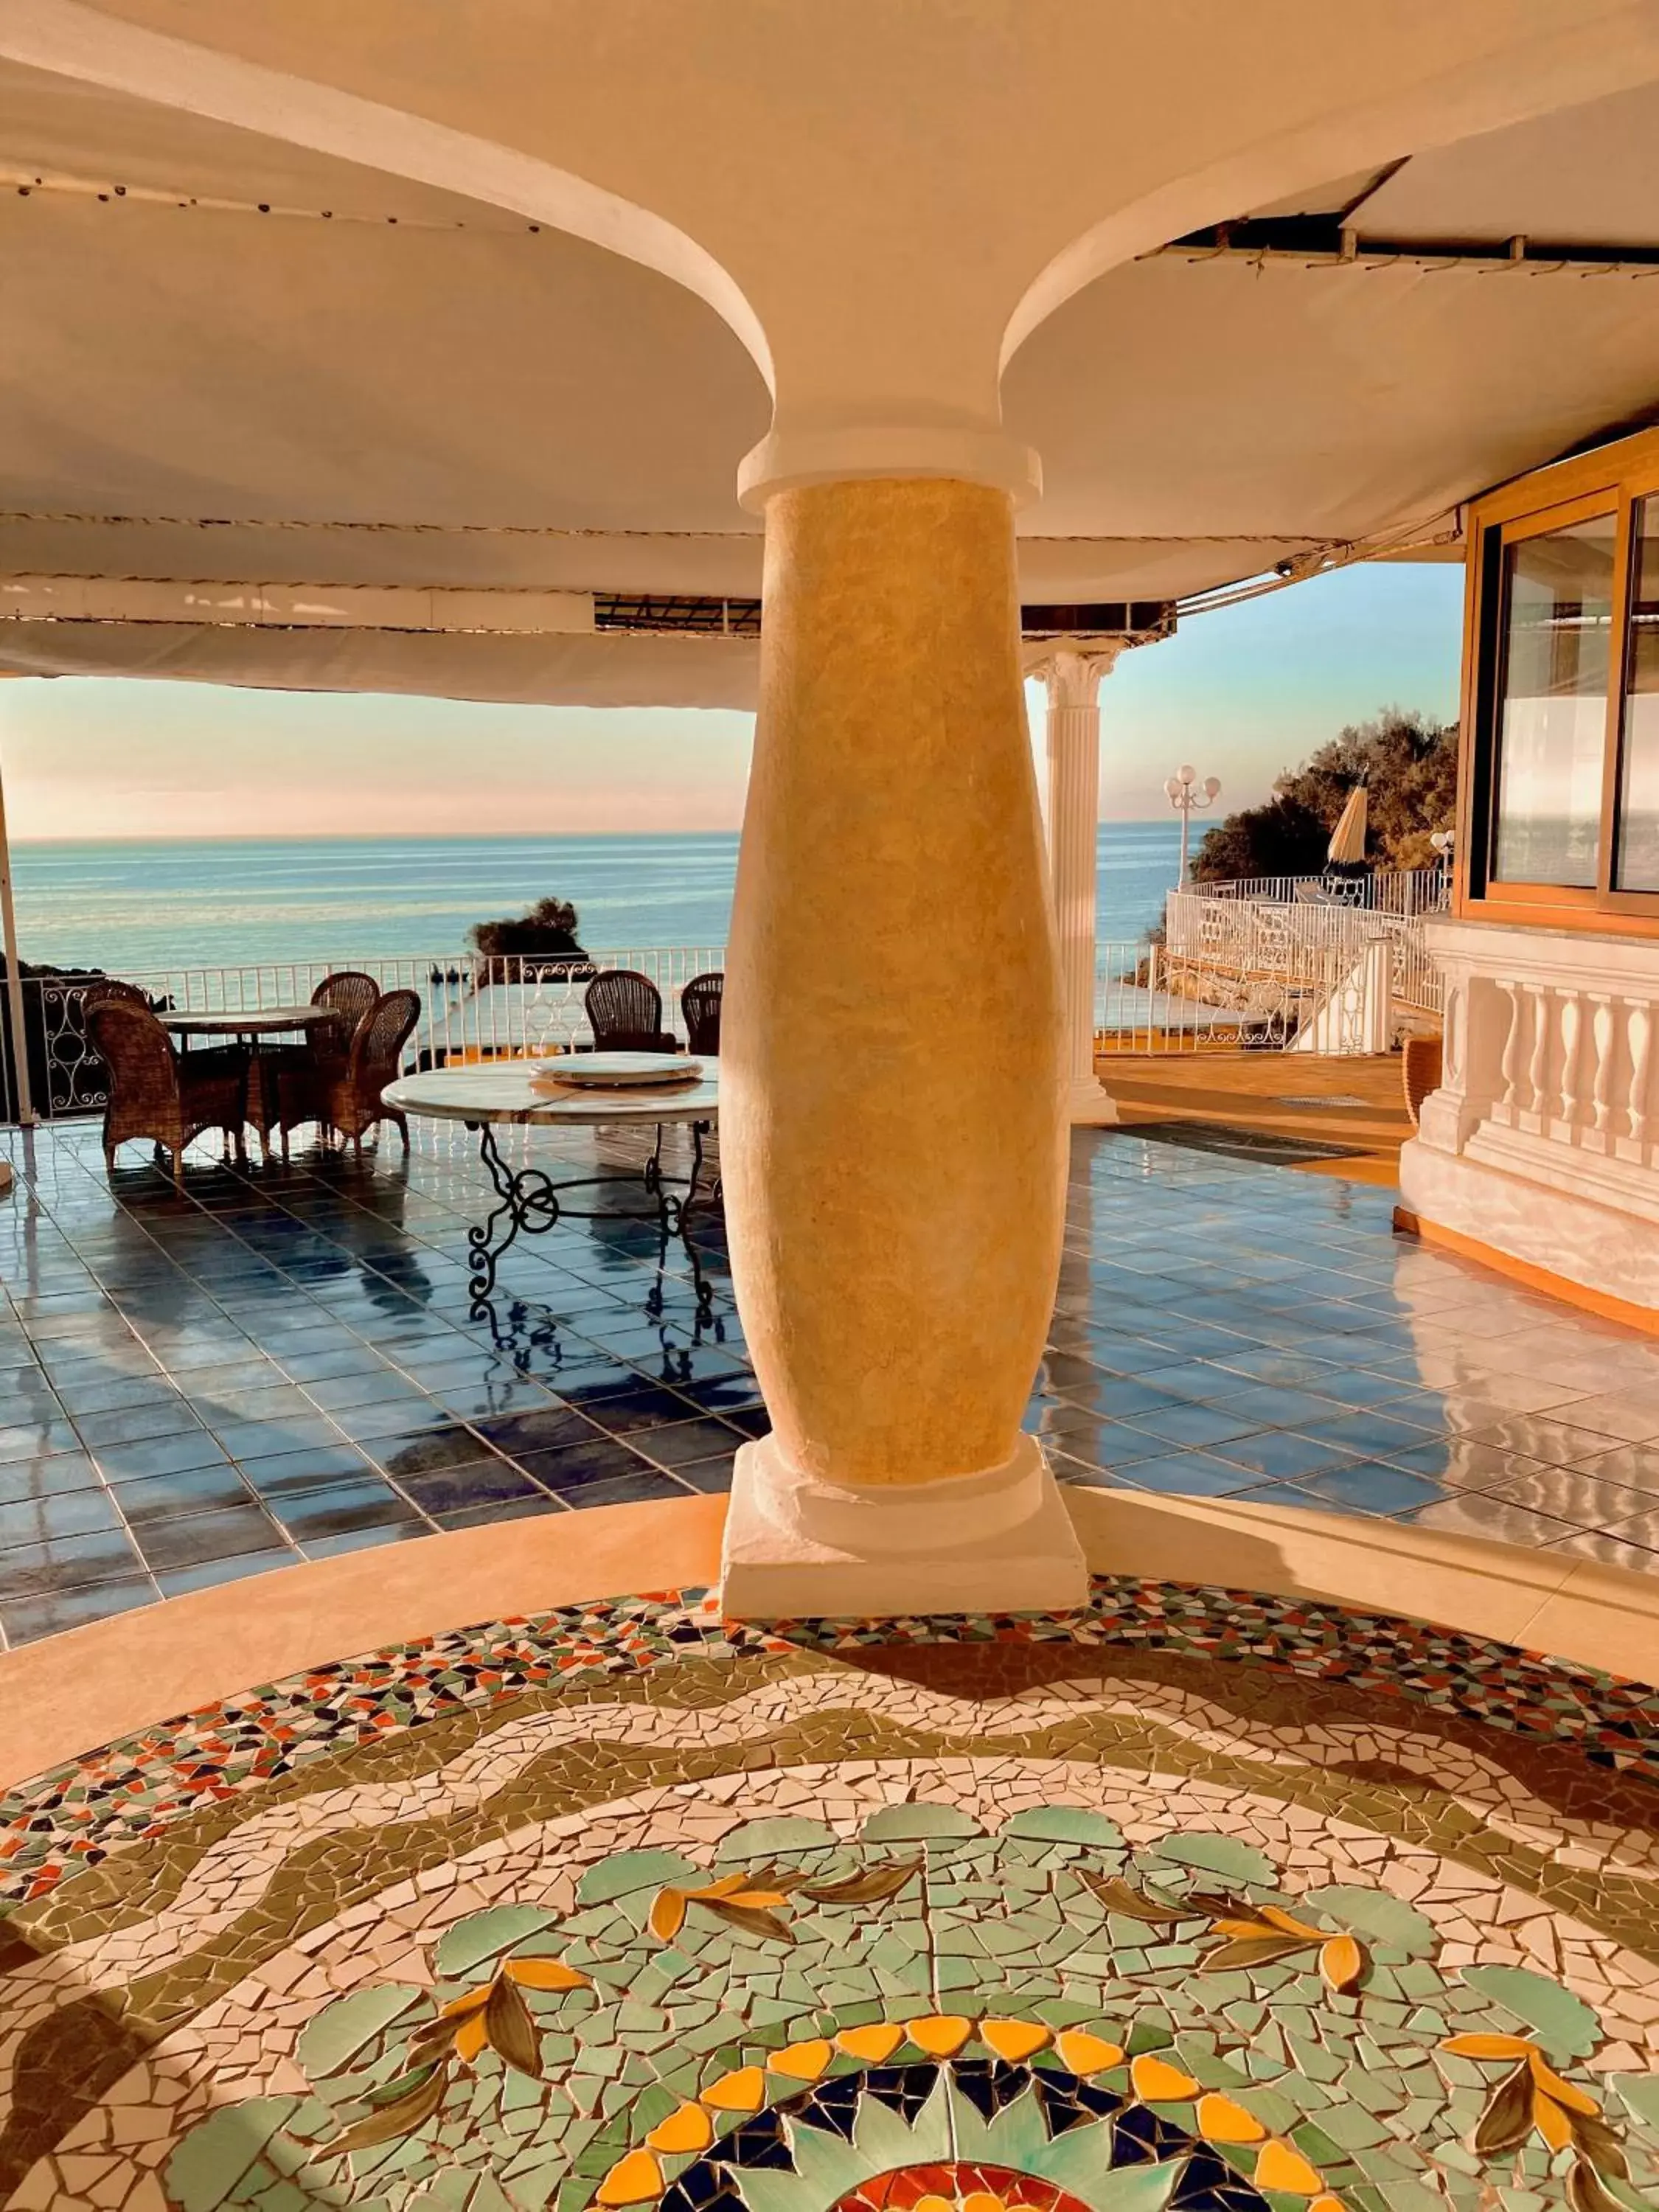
x=529 y=1199
x=249 y=1021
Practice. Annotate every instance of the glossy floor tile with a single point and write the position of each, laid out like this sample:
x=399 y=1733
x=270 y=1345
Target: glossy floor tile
x=284 y=1363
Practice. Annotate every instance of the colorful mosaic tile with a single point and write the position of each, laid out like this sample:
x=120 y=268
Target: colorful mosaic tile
x=74 y=1814
x=1184 y=1905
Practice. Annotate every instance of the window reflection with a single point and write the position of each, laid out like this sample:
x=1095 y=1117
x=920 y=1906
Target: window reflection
x=1557 y=623
x=1637 y=863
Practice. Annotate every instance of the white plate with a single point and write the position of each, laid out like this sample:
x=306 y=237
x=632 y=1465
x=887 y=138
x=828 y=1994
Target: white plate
x=619 y=1071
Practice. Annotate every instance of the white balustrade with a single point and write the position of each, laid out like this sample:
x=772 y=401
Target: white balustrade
x=1638 y=1029
x=1553 y=1077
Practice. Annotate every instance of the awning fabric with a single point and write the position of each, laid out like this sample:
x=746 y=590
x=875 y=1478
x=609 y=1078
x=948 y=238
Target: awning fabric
x=602 y=669
x=227 y=360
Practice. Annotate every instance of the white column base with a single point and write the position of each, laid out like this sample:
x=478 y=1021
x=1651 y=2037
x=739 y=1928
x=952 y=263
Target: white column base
x=1089 y=1106
x=1001 y=1541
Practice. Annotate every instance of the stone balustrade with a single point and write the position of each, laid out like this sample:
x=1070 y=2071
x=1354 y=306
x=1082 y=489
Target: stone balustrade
x=1548 y=1081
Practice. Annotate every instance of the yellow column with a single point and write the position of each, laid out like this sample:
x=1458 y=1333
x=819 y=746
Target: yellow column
x=892 y=1136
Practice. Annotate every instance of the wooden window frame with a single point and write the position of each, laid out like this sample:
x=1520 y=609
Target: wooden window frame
x=1611 y=481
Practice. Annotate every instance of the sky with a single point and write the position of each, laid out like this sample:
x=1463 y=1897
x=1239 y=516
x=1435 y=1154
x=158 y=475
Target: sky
x=1243 y=695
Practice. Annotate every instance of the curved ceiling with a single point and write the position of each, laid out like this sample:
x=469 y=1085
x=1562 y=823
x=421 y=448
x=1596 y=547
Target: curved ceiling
x=377 y=382
x=410 y=357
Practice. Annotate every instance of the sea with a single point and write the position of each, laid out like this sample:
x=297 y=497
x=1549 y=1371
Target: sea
x=130 y=905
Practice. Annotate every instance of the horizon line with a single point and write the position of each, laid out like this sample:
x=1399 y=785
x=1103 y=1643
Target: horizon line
x=438 y=836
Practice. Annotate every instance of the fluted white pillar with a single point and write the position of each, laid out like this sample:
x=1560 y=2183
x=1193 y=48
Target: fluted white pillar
x=1073 y=681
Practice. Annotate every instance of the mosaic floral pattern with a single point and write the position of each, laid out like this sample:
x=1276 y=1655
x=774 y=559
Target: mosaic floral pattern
x=73 y=1815
x=962 y=1917
x=954 y=1997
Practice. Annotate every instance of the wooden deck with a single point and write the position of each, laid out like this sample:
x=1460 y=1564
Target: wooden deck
x=1357 y=1103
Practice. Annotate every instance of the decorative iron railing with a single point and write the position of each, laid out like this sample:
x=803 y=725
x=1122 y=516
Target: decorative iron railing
x=1233 y=974
x=471 y=1008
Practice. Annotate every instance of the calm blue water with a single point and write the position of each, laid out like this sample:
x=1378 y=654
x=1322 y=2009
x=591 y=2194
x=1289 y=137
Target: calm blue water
x=240 y=901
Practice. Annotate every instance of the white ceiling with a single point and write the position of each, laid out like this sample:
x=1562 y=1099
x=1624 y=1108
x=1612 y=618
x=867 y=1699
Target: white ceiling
x=457 y=396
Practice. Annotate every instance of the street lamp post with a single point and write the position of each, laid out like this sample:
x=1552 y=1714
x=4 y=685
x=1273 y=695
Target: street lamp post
x=1188 y=795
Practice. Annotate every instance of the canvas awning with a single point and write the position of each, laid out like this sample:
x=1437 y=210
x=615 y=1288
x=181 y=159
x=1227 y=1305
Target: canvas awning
x=240 y=362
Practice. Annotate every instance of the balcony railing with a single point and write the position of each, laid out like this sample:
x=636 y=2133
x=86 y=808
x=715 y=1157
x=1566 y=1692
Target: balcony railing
x=1405 y=891
x=1275 y=936
x=471 y=1008
x=1196 y=996
x=1224 y=980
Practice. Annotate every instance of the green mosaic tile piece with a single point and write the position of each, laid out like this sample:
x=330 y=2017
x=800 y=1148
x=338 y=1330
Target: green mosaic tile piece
x=777 y=1837
x=626 y=1873
x=464 y=1950
x=1065 y=1824
x=213 y=2162
x=1225 y=1856
x=331 y=2039
x=919 y=1823
x=1565 y=2025
x=1639 y=2095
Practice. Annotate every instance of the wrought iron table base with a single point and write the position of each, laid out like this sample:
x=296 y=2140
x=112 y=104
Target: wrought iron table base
x=530 y=1202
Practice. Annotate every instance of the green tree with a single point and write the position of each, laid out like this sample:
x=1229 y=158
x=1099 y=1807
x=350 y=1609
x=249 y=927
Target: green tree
x=1409 y=764
x=549 y=928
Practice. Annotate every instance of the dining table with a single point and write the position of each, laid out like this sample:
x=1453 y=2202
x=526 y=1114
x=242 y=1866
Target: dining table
x=530 y=1201
x=248 y=1025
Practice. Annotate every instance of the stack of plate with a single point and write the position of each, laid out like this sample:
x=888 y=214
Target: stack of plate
x=616 y=1070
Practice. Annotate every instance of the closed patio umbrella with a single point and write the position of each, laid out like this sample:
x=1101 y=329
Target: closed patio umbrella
x=1347 y=845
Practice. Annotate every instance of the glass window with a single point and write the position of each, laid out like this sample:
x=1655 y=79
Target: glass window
x=1637 y=864
x=1551 y=725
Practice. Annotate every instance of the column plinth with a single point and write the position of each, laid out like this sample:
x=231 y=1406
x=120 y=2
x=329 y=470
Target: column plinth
x=892 y=1145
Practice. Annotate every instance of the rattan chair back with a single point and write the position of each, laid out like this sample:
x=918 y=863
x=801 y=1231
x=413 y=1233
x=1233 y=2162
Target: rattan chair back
x=700 y=1003
x=350 y=1100
x=624 y=1010
x=351 y=994
x=156 y=1092
x=377 y=1051
x=112 y=986
x=143 y=1066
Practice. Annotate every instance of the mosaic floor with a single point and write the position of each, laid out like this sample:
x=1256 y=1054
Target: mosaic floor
x=284 y=1364
x=1185 y=1903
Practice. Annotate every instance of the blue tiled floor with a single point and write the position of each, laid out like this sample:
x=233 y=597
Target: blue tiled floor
x=283 y=1365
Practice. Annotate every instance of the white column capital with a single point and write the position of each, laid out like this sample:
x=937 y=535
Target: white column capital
x=1071 y=673
x=790 y=456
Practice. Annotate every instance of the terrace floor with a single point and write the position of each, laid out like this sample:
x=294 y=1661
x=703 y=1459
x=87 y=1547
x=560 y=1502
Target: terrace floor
x=282 y=1363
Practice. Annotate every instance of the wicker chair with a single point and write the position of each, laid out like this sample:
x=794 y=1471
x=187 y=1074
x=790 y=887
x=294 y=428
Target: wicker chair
x=700 y=1002
x=1419 y=1071
x=156 y=1092
x=350 y=1092
x=624 y=1010
x=286 y=1081
x=112 y=986
x=350 y=994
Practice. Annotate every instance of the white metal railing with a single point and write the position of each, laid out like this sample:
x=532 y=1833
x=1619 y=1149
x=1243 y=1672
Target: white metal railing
x=1270 y=935
x=1190 y=999
x=471 y=1008
x=1405 y=891
x=1232 y=974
